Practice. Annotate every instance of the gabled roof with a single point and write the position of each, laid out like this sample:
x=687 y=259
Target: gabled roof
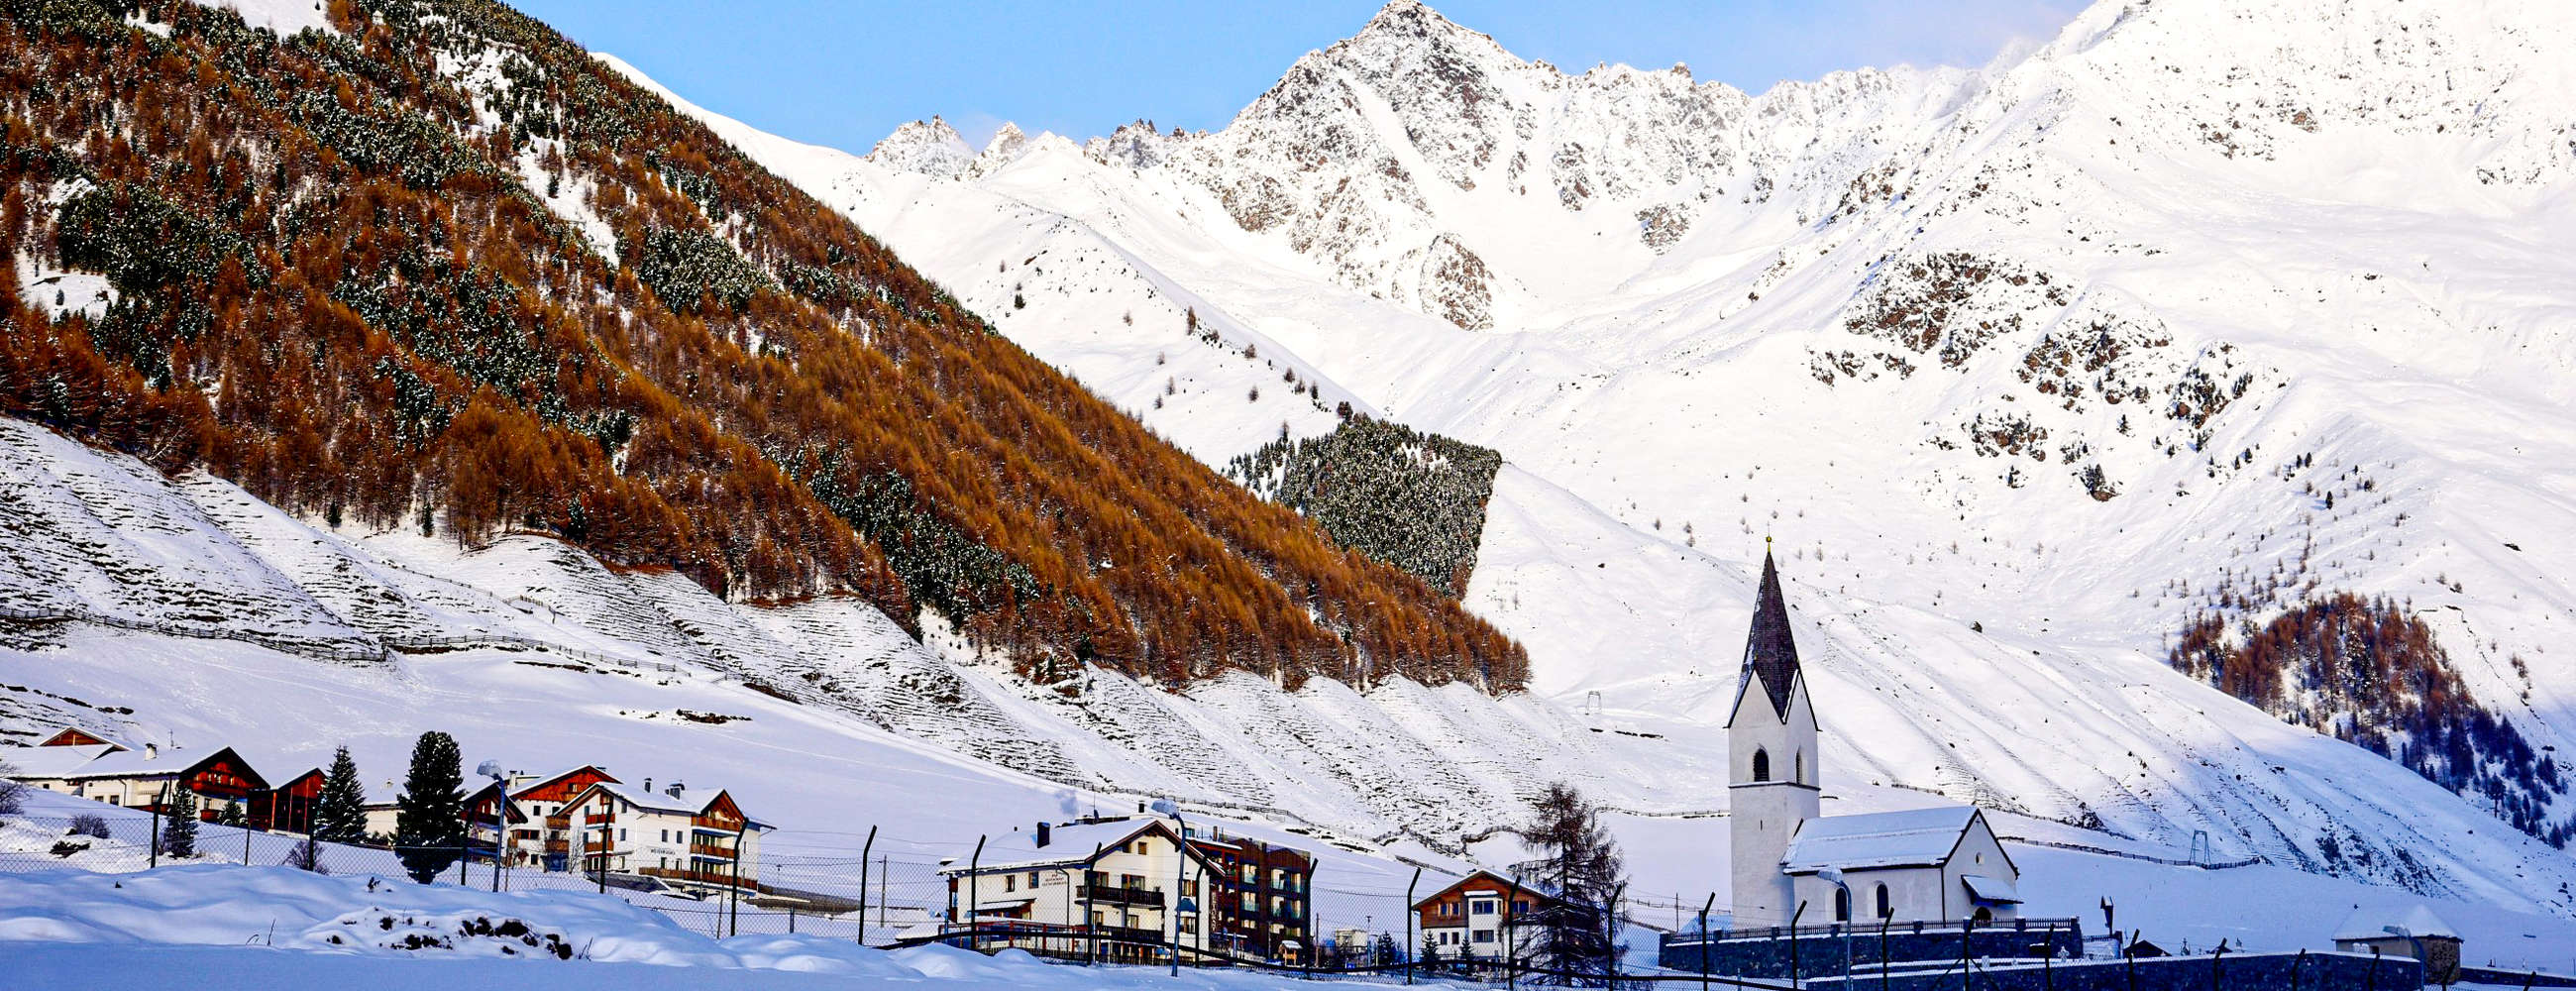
x=1543 y=891
x=485 y=795
x=107 y=761
x=54 y=761
x=674 y=801
x=74 y=736
x=2372 y=922
x=1067 y=845
x=1912 y=838
x=559 y=776
x=1991 y=890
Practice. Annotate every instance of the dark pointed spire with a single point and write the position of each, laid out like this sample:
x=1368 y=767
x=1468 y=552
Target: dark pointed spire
x=1769 y=649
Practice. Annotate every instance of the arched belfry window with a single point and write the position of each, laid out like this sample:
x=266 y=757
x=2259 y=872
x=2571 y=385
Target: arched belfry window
x=1798 y=767
x=1761 y=765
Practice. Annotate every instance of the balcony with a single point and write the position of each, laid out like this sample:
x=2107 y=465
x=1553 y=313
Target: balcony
x=1114 y=895
x=599 y=819
x=723 y=878
x=598 y=846
x=719 y=851
x=706 y=824
x=558 y=822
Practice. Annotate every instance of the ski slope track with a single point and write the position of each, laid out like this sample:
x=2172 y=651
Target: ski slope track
x=2013 y=363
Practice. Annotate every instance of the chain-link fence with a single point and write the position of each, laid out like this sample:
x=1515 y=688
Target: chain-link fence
x=874 y=899
x=862 y=886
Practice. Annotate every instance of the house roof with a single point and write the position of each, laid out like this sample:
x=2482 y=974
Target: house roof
x=560 y=775
x=53 y=761
x=679 y=801
x=2372 y=922
x=106 y=760
x=1912 y=838
x=1072 y=843
x=74 y=736
x=1539 y=888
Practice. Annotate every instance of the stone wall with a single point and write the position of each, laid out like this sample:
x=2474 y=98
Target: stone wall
x=2227 y=972
x=1820 y=950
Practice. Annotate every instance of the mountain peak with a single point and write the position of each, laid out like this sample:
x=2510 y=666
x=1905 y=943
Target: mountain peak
x=930 y=147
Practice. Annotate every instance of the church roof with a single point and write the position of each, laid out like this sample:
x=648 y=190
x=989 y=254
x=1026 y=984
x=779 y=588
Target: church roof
x=1769 y=650
x=1912 y=838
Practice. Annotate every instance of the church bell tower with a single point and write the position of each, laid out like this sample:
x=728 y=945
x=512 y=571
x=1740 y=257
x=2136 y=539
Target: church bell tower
x=1771 y=759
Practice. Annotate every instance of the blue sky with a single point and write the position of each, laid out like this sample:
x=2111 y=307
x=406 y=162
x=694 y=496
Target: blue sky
x=845 y=73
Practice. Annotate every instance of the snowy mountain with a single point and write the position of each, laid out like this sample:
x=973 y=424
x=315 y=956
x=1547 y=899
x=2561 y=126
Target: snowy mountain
x=2192 y=308
x=2020 y=367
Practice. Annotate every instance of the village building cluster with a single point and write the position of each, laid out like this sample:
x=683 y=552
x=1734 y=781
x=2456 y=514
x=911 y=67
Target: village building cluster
x=583 y=819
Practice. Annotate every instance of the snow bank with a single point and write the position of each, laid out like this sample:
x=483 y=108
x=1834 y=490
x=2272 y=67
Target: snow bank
x=282 y=927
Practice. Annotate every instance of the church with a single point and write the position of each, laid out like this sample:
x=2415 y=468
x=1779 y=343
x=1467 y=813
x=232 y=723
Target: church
x=1939 y=864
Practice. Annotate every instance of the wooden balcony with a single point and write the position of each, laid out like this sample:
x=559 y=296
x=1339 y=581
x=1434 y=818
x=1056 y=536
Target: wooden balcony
x=720 y=851
x=1114 y=895
x=599 y=819
x=721 y=878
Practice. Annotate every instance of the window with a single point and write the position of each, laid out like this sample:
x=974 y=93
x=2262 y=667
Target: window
x=1761 y=765
x=1484 y=935
x=1482 y=906
x=1033 y=879
x=1520 y=905
x=1842 y=904
x=1798 y=767
x=621 y=834
x=1886 y=910
x=1010 y=882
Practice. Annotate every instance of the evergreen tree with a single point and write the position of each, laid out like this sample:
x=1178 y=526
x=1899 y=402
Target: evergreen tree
x=429 y=817
x=1430 y=958
x=1575 y=928
x=340 y=814
x=179 y=825
x=1383 y=951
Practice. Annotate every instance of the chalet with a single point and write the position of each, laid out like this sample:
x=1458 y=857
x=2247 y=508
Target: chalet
x=693 y=839
x=288 y=806
x=548 y=834
x=482 y=835
x=1260 y=896
x=1483 y=917
x=1133 y=882
x=107 y=772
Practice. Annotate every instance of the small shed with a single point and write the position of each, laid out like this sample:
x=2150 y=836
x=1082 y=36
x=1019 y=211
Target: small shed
x=2405 y=931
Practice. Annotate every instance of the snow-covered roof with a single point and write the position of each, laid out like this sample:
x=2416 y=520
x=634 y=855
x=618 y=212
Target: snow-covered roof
x=52 y=762
x=1912 y=838
x=2373 y=922
x=678 y=801
x=1071 y=843
x=1993 y=890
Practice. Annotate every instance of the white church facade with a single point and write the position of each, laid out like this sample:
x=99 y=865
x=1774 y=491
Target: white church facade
x=1939 y=864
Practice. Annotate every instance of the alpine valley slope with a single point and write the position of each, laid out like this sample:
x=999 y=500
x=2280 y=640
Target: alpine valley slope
x=2021 y=366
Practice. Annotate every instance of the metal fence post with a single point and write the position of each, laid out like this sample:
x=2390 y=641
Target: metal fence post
x=864 y=850
x=1408 y=948
x=156 y=825
x=1703 y=939
x=733 y=898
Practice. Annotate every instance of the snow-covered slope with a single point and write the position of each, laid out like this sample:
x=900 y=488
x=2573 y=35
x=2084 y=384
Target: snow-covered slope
x=2016 y=364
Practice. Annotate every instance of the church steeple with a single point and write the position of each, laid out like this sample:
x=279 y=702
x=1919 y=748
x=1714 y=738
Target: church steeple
x=1770 y=651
